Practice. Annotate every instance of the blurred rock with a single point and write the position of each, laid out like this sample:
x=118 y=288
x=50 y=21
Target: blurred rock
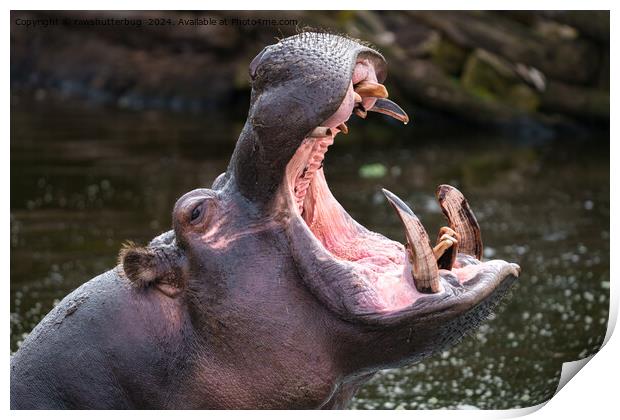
x=548 y=68
x=449 y=56
x=603 y=77
x=493 y=78
x=575 y=101
x=429 y=84
x=593 y=24
x=572 y=61
x=554 y=30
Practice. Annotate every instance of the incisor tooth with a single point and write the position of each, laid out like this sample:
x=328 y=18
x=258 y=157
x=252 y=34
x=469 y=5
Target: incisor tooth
x=371 y=89
x=359 y=112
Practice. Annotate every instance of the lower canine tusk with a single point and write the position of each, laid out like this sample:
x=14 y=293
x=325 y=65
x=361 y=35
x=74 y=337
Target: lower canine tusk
x=423 y=263
x=461 y=219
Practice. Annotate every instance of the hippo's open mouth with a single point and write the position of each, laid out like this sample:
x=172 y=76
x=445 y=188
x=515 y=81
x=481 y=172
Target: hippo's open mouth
x=362 y=274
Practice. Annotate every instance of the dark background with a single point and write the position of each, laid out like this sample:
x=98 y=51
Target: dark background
x=111 y=124
x=538 y=69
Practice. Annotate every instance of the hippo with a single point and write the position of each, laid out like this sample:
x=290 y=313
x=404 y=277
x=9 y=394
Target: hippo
x=267 y=294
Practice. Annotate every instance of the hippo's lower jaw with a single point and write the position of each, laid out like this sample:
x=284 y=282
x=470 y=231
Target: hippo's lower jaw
x=364 y=276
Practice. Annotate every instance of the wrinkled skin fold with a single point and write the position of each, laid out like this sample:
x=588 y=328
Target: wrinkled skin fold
x=267 y=293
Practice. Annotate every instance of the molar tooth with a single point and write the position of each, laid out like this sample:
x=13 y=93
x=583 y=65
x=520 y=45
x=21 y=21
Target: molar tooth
x=461 y=219
x=371 y=89
x=423 y=263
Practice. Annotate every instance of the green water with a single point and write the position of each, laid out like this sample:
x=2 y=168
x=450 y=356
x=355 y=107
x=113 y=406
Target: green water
x=84 y=180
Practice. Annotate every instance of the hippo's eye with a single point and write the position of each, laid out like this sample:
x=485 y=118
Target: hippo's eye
x=196 y=213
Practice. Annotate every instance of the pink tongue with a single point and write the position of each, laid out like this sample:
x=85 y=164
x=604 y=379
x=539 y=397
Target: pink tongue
x=381 y=260
x=341 y=234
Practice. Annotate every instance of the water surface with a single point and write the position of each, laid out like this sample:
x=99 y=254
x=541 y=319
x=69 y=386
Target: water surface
x=84 y=180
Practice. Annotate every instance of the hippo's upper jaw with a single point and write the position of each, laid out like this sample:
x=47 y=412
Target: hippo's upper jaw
x=362 y=275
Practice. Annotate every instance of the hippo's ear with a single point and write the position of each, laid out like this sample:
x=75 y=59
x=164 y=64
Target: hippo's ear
x=162 y=267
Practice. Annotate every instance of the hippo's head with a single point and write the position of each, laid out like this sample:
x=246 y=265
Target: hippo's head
x=270 y=264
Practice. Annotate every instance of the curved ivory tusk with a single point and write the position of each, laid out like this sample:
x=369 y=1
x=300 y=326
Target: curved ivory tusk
x=462 y=220
x=387 y=107
x=423 y=263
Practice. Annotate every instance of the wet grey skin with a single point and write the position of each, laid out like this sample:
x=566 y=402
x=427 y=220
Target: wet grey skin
x=266 y=293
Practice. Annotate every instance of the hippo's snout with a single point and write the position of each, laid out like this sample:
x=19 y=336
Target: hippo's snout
x=359 y=274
